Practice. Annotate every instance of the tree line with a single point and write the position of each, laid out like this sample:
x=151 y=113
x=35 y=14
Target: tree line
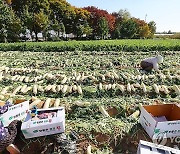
x=56 y=18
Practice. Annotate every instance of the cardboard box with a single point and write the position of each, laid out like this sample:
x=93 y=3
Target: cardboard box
x=151 y=148
x=15 y=112
x=35 y=128
x=161 y=129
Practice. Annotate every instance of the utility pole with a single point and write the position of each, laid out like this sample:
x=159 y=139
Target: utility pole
x=145 y=17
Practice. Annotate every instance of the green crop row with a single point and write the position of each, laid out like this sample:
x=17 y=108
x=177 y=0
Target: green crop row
x=100 y=45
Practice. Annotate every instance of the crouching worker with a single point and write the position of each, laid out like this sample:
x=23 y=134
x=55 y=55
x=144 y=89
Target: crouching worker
x=151 y=63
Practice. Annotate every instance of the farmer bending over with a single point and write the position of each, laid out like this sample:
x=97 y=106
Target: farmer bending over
x=151 y=63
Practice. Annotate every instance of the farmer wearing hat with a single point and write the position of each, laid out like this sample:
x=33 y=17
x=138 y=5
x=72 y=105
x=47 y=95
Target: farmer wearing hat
x=151 y=63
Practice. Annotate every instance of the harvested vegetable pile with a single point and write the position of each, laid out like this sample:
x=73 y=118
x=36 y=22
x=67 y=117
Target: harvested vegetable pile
x=100 y=91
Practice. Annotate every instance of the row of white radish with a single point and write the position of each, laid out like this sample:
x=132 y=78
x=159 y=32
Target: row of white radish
x=67 y=89
x=52 y=102
x=24 y=89
x=80 y=77
x=9 y=70
x=134 y=87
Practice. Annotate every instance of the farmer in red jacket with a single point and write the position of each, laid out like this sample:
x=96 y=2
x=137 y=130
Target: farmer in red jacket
x=151 y=63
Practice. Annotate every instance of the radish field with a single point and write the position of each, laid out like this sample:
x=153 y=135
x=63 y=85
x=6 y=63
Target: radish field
x=100 y=90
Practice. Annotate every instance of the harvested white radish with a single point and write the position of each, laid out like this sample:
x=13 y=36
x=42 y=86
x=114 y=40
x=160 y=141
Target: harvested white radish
x=33 y=98
x=152 y=76
x=26 y=90
x=78 y=77
x=74 y=88
x=138 y=77
x=64 y=80
x=70 y=89
x=132 y=88
x=14 y=77
x=21 y=78
x=108 y=74
x=84 y=77
x=121 y=87
x=40 y=88
x=4 y=90
x=79 y=89
x=135 y=114
x=165 y=89
x=89 y=149
x=103 y=77
x=144 y=87
x=137 y=85
x=47 y=103
x=176 y=89
x=128 y=87
x=100 y=86
x=48 y=88
x=156 y=88
x=23 y=88
x=58 y=88
x=115 y=75
x=82 y=104
x=1 y=97
x=36 y=79
x=93 y=78
x=64 y=89
x=26 y=79
x=113 y=86
x=103 y=111
x=109 y=86
x=34 y=103
x=57 y=102
x=53 y=88
x=142 y=77
x=35 y=89
x=106 y=87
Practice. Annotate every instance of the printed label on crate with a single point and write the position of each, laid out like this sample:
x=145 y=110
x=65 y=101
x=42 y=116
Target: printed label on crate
x=15 y=112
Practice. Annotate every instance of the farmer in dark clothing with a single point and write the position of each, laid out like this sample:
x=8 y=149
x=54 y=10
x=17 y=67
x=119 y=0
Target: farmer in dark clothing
x=151 y=63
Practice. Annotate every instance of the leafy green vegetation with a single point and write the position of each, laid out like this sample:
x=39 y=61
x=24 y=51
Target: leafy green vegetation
x=101 y=45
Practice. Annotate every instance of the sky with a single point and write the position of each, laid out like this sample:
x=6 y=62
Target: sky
x=165 y=13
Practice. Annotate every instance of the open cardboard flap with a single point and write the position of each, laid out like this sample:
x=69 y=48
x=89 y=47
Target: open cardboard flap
x=170 y=111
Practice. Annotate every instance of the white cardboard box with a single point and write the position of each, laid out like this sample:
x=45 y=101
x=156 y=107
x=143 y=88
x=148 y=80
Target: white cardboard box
x=163 y=129
x=15 y=112
x=44 y=127
x=151 y=148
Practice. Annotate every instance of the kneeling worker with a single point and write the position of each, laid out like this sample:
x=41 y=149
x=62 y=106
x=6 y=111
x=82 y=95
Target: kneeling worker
x=151 y=63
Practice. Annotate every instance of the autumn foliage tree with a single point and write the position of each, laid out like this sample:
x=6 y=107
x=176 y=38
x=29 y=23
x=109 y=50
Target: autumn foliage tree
x=131 y=27
x=96 y=15
x=143 y=30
